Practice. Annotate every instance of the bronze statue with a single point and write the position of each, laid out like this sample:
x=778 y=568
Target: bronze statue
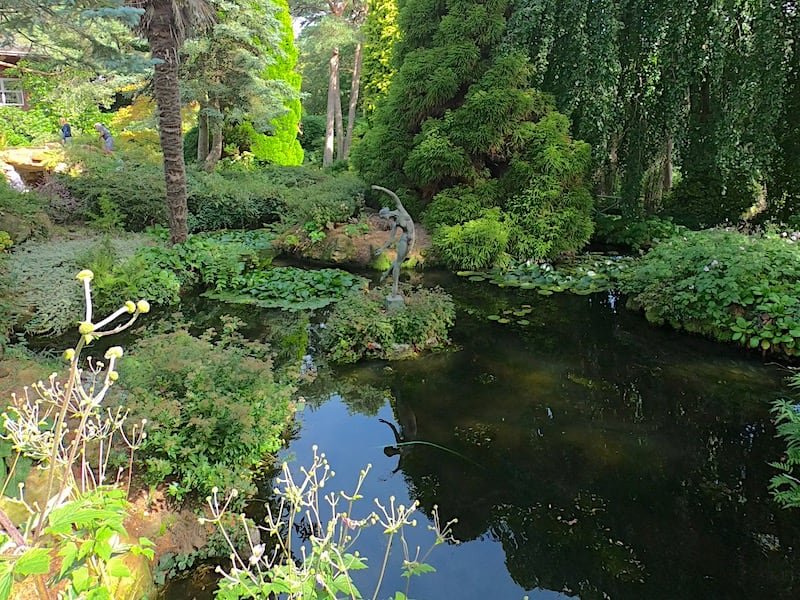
x=398 y=219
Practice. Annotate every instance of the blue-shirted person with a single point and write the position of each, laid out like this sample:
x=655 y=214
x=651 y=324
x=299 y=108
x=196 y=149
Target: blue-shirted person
x=66 y=131
x=105 y=135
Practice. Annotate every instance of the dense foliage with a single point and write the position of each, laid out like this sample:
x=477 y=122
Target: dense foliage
x=215 y=413
x=461 y=119
x=726 y=285
x=361 y=326
x=709 y=88
x=785 y=485
x=124 y=191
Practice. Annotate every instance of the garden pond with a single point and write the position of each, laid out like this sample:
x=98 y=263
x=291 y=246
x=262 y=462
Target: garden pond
x=584 y=453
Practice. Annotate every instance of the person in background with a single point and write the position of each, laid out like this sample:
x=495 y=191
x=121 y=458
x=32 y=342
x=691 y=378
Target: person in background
x=66 y=131
x=105 y=135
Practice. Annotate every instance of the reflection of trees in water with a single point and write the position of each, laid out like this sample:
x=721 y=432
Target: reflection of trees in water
x=359 y=397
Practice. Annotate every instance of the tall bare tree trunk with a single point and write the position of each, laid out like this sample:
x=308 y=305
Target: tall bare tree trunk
x=202 y=132
x=666 y=183
x=215 y=149
x=164 y=47
x=351 y=112
x=338 y=118
x=333 y=93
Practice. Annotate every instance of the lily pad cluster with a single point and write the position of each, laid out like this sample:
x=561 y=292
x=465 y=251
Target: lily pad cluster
x=290 y=288
x=582 y=275
x=517 y=315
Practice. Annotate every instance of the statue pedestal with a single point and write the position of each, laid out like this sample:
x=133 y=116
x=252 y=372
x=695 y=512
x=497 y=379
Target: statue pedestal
x=394 y=302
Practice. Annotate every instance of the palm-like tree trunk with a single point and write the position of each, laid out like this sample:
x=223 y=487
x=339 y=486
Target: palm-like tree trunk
x=164 y=47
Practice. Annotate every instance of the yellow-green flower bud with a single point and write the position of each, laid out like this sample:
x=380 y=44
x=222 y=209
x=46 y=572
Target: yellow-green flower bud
x=69 y=354
x=114 y=352
x=88 y=339
x=113 y=375
x=130 y=306
x=85 y=275
x=85 y=328
x=143 y=306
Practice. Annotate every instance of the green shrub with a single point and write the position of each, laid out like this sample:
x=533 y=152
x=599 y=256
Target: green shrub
x=477 y=244
x=634 y=234
x=724 y=284
x=706 y=200
x=312 y=138
x=161 y=273
x=232 y=200
x=546 y=221
x=333 y=200
x=361 y=327
x=459 y=204
x=20 y=127
x=785 y=486
x=130 y=180
x=214 y=411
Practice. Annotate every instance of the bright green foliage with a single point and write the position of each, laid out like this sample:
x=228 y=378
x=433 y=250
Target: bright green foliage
x=380 y=33
x=160 y=273
x=785 y=486
x=361 y=327
x=223 y=199
x=215 y=414
x=281 y=146
x=726 y=285
x=636 y=235
x=289 y=288
x=460 y=118
x=476 y=244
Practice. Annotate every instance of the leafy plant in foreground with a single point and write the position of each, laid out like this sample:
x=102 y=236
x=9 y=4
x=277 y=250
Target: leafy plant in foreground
x=328 y=557
x=65 y=427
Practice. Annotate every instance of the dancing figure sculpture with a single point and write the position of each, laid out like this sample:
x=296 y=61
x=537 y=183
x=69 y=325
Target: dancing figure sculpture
x=404 y=244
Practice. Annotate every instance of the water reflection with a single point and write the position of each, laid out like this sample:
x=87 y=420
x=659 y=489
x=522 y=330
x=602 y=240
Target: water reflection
x=607 y=458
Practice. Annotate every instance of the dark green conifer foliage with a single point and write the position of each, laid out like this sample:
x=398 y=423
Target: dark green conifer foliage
x=461 y=125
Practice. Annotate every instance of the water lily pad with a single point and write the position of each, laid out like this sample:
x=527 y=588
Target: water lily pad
x=493 y=317
x=504 y=320
x=524 y=322
x=477 y=278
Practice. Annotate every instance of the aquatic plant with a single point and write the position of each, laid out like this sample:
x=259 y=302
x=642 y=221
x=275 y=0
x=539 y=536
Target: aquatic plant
x=362 y=327
x=584 y=274
x=320 y=564
x=786 y=485
x=289 y=288
x=65 y=426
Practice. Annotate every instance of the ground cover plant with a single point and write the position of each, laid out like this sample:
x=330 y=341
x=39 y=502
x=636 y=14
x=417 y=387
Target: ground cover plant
x=724 y=284
x=361 y=326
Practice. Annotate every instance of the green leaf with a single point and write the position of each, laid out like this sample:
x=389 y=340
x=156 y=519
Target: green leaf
x=81 y=579
x=117 y=568
x=5 y=585
x=68 y=554
x=754 y=342
x=35 y=561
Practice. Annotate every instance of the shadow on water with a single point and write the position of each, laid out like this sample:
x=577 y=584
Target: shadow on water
x=584 y=453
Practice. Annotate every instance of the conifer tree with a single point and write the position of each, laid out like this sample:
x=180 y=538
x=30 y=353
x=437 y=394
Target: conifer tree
x=461 y=127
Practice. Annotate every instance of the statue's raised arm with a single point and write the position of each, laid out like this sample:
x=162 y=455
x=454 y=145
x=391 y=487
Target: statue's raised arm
x=401 y=214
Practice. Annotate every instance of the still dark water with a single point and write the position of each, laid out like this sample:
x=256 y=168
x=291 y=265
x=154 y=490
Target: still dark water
x=588 y=455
